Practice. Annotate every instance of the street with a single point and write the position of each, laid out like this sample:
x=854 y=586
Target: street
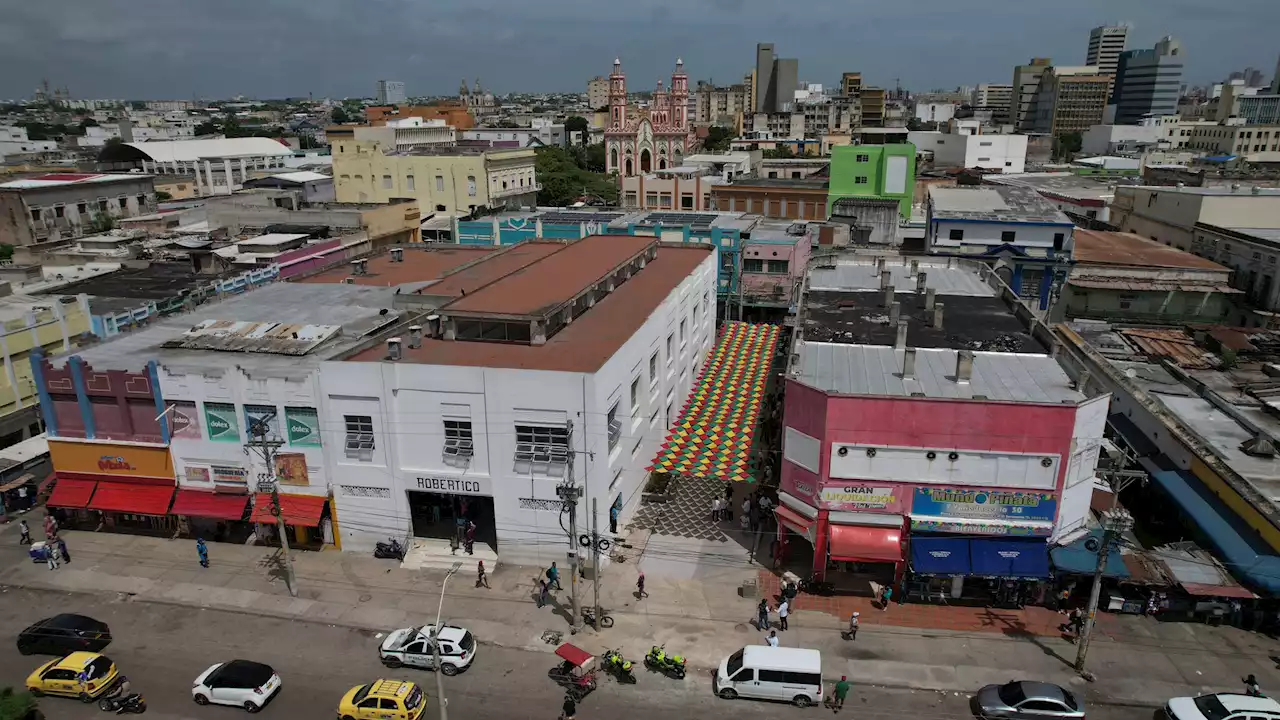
x=163 y=648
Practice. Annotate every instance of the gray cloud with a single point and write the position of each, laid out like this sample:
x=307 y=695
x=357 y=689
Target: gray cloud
x=272 y=48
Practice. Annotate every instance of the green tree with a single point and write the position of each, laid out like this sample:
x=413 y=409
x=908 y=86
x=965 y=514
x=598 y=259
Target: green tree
x=1066 y=145
x=88 y=122
x=206 y=128
x=102 y=222
x=6 y=252
x=576 y=123
x=339 y=115
x=595 y=158
x=717 y=139
x=564 y=181
x=780 y=152
x=17 y=705
x=162 y=196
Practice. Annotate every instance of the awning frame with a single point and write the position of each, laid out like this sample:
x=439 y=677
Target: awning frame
x=881 y=533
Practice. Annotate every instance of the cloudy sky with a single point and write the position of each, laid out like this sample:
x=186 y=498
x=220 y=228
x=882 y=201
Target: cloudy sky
x=274 y=48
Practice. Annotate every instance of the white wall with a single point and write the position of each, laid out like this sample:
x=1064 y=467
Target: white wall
x=935 y=112
x=1006 y=153
x=979 y=236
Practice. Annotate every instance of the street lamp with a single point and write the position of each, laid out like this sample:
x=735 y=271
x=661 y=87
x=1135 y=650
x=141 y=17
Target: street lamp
x=435 y=644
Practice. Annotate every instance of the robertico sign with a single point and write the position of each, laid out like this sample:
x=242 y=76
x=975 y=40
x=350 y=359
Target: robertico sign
x=454 y=485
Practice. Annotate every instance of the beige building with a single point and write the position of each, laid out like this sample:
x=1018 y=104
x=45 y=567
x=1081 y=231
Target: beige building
x=51 y=323
x=1069 y=100
x=1255 y=143
x=1172 y=215
x=1105 y=45
x=442 y=178
x=1026 y=83
x=723 y=106
x=598 y=92
x=685 y=189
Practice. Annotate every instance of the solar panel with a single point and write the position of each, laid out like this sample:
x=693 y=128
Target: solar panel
x=573 y=218
x=679 y=218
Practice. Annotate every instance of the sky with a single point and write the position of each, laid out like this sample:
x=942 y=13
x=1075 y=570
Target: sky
x=170 y=49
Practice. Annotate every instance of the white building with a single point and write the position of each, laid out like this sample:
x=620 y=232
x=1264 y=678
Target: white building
x=935 y=112
x=390 y=92
x=977 y=221
x=1005 y=153
x=562 y=363
x=221 y=166
x=14 y=141
x=98 y=135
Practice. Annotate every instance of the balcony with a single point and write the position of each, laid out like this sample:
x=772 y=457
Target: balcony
x=517 y=190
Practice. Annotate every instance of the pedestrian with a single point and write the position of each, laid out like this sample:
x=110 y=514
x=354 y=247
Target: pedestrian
x=715 y=510
x=728 y=501
x=841 y=692
x=543 y=589
x=886 y=595
x=435 y=513
x=1077 y=623
x=744 y=522
x=762 y=615
x=553 y=576
x=1237 y=612
x=22 y=498
x=26 y=532
x=784 y=609
x=50 y=527
x=62 y=550
x=471 y=537
x=569 y=710
x=772 y=640
x=481 y=577
x=1251 y=686
x=613 y=519
x=640 y=593
x=853 y=627
x=202 y=552
x=51 y=555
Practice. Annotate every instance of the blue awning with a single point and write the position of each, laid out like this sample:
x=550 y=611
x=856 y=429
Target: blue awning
x=939 y=555
x=1219 y=158
x=1247 y=557
x=1009 y=558
x=1078 y=559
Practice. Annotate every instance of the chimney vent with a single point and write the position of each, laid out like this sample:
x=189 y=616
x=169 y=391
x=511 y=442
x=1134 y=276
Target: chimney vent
x=349 y=281
x=397 y=255
x=937 y=315
x=393 y=349
x=921 y=279
x=1260 y=445
x=415 y=336
x=1082 y=382
x=888 y=296
x=900 y=343
x=930 y=297
x=895 y=313
x=964 y=365
x=908 y=363
x=885 y=279
x=915 y=268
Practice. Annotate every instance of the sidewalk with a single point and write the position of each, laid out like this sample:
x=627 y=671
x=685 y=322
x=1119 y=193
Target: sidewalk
x=1139 y=661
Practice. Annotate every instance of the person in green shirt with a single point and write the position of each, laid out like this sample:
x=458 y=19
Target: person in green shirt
x=842 y=691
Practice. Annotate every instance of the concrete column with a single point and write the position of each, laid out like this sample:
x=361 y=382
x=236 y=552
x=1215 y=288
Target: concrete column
x=244 y=172
x=199 y=185
x=208 y=175
x=231 y=177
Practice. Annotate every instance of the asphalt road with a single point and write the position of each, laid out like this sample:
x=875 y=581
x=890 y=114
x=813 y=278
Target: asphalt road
x=163 y=648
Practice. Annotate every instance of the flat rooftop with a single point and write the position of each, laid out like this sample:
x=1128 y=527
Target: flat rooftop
x=994 y=204
x=499 y=264
x=878 y=370
x=1243 y=191
x=421 y=263
x=581 y=346
x=51 y=180
x=558 y=277
x=809 y=183
x=159 y=281
x=1063 y=184
x=947 y=278
x=1096 y=247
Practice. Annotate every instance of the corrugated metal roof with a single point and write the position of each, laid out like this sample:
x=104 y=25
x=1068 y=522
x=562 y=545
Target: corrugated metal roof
x=877 y=370
x=1174 y=344
x=56 y=179
x=1108 y=283
x=189 y=150
x=262 y=337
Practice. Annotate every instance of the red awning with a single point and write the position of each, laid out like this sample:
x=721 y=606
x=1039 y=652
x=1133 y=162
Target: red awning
x=69 y=493
x=127 y=497
x=197 y=503
x=792 y=519
x=301 y=510
x=859 y=543
x=1231 y=591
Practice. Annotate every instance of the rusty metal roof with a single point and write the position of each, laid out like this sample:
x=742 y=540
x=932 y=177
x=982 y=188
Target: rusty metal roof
x=1114 y=283
x=1096 y=247
x=258 y=337
x=1175 y=344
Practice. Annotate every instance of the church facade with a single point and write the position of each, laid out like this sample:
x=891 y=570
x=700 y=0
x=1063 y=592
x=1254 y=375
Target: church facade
x=641 y=140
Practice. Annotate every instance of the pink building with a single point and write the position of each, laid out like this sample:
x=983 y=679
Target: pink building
x=928 y=429
x=774 y=260
x=639 y=141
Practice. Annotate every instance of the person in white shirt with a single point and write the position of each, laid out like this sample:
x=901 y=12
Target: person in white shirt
x=784 y=609
x=853 y=626
x=715 y=510
x=772 y=639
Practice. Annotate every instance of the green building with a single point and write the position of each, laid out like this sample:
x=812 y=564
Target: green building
x=886 y=172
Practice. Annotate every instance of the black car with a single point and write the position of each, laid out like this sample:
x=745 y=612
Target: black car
x=62 y=634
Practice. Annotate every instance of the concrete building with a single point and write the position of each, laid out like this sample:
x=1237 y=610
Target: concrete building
x=775 y=81
x=33 y=324
x=390 y=92
x=598 y=92
x=1251 y=253
x=774 y=261
x=722 y=106
x=455 y=115
x=684 y=188
x=1013 y=228
x=641 y=140
x=1000 y=153
x=373 y=225
x=1122 y=277
x=776 y=198
x=1069 y=100
x=1149 y=82
x=935 y=112
x=313 y=187
x=1085 y=196
x=60 y=206
x=14 y=141
x=1253 y=143
x=995 y=97
x=997 y=461
x=449 y=415
x=872 y=106
x=1026 y=85
x=218 y=166
x=540 y=134
x=885 y=172
x=1106 y=44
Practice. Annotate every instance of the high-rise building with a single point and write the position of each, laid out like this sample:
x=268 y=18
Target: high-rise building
x=851 y=84
x=1147 y=82
x=1069 y=100
x=1253 y=77
x=1026 y=82
x=390 y=92
x=1275 y=80
x=995 y=97
x=776 y=80
x=1106 y=42
x=598 y=92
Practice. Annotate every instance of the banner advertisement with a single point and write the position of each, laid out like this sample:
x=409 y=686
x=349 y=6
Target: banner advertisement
x=851 y=496
x=222 y=423
x=112 y=460
x=184 y=420
x=291 y=469
x=971 y=504
x=302 y=426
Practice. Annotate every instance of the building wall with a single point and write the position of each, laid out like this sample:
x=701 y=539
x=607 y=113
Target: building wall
x=772 y=202
x=880 y=171
x=1254 y=143
x=65 y=211
x=1135 y=306
x=1005 y=153
x=440 y=183
x=979 y=237
x=1026 y=84
x=782 y=266
x=454 y=115
x=655 y=192
x=1148 y=82
x=50 y=329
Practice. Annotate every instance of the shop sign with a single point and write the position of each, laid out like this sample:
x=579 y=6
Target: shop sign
x=847 y=496
x=230 y=475
x=222 y=422
x=979 y=528
x=971 y=504
x=455 y=485
x=184 y=421
x=302 y=426
x=115 y=460
x=197 y=474
x=291 y=469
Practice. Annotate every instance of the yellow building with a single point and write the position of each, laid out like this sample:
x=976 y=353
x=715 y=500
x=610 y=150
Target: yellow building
x=442 y=178
x=52 y=323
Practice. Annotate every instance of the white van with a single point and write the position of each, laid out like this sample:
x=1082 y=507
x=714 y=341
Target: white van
x=772 y=673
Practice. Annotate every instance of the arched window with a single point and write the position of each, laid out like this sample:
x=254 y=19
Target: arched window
x=645 y=161
x=613 y=157
x=628 y=172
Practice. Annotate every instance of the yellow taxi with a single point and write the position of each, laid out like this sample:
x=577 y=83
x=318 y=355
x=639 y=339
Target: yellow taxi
x=383 y=700
x=84 y=675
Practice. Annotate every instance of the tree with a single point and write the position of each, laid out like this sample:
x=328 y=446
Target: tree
x=17 y=705
x=6 y=252
x=88 y=122
x=564 y=181
x=576 y=123
x=1066 y=145
x=339 y=115
x=102 y=222
x=162 y=196
x=717 y=139
x=206 y=128
x=780 y=152
x=595 y=158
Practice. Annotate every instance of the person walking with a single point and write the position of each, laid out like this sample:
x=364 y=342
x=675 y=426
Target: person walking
x=772 y=640
x=715 y=510
x=51 y=555
x=202 y=552
x=784 y=609
x=25 y=529
x=841 y=692
x=62 y=550
x=553 y=576
x=481 y=577
x=640 y=593
x=543 y=589
x=746 y=512
x=762 y=615
x=50 y=527
x=471 y=537
x=886 y=594
x=853 y=627
x=569 y=710
x=613 y=519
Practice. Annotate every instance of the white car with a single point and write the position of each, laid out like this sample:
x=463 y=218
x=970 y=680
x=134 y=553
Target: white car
x=1223 y=706
x=242 y=683
x=413 y=647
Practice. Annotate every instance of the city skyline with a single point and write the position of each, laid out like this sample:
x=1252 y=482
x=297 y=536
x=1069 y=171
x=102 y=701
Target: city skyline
x=149 y=49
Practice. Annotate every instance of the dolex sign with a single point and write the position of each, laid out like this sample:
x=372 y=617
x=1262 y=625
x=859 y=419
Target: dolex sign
x=221 y=422
x=461 y=486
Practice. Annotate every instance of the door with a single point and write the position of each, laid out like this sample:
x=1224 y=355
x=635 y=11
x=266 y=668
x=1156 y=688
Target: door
x=418 y=654
x=744 y=682
x=1041 y=710
x=59 y=681
x=389 y=709
x=224 y=695
x=369 y=710
x=772 y=684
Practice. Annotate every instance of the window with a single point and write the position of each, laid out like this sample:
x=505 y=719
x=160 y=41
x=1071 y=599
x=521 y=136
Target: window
x=261 y=421
x=860 y=180
x=83 y=208
x=984 y=144
x=58 y=211
x=1059 y=239
x=664 y=201
x=671 y=346
x=439 y=183
x=651 y=199
x=635 y=395
x=471 y=185
x=773 y=174
x=344 y=176
x=984 y=159
x=630 y=200
x=1008 y=236
x=359 y=442
x=686 y=201
x=342 y=148
x=440 y=208
x=795 y=174
x=1041 y=706
x=777 y=266
x=1126 y=301
x=653 y=419
x=386 y=182
x=615 y=427
x=409 y=183
x=754 y=265
x=653 y=368
x=542 y=448
x=457 y=439
x=864 y=158
x=142 y=200
x=122 y=202
x=683 y=327
x=772 y=676
x=956 y=234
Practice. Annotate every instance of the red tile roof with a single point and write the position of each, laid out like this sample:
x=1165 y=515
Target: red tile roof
x=420 y=264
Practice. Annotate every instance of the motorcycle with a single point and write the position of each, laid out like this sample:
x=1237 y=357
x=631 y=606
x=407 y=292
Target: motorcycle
x=390 y=550
x=814 y=586
x=658 y=660
x=589 y=618
x=121 y=704
x=618 y=666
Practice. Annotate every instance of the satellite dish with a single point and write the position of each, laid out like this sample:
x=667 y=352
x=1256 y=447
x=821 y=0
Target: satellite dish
x=1093 y=544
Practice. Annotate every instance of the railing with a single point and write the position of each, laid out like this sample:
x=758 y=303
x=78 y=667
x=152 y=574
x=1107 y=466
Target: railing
x=518 y=190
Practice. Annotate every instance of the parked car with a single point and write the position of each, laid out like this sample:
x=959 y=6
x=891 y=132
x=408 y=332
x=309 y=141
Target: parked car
x=382 y=699
x=1027 y=700
x=83 y=675
x=412 y=647
x=791 y=675
x=62 y=634
x=1222 y=706
x=242 y=683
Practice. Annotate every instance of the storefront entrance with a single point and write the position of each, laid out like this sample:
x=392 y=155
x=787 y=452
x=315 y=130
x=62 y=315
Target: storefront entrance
x=444 y=516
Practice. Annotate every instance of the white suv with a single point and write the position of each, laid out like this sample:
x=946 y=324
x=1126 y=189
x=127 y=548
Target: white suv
x=1223 y=706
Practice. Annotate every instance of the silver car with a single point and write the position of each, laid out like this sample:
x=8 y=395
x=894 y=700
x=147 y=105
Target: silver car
x=1027 y=700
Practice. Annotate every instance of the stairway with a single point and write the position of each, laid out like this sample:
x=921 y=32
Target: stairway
x=435 y=554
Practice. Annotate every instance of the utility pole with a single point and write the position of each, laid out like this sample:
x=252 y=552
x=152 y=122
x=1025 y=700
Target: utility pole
x=435 y=646
x=595 y=560
x=267 y=483
x=569 y=493
x=1114 y=522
